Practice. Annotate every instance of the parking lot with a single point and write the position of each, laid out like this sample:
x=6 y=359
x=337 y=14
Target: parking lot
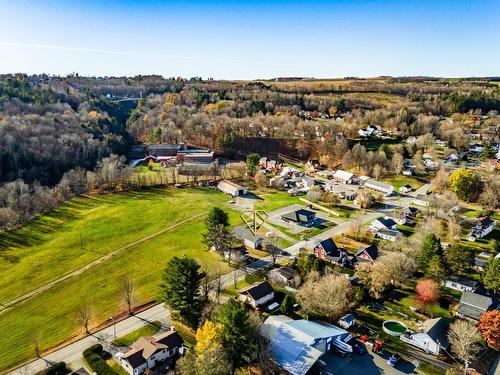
x=367 y=363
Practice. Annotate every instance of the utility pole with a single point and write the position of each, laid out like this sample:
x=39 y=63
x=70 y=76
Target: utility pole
x=114 y=326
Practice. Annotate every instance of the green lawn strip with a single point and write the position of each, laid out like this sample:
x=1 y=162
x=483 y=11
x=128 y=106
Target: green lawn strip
x=52 y=314
x=428 y=369
x=272 y=201
x=149 y=329
x=117 y=368
x=232 y=291
x=48 y=247
x=401 y=180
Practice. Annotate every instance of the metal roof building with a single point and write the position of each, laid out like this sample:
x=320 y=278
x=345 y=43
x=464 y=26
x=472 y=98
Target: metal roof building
x=296 y=345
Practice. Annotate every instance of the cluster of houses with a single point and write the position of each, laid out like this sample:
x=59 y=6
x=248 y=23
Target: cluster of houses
x=328 y=251
x=386 y=227
x=173 y=155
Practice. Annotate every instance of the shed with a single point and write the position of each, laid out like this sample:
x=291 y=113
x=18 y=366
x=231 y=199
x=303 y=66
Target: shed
x=231 y=188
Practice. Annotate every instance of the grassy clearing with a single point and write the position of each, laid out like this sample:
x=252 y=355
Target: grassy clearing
x=271 y=201
x=401 y=180
x=46 y=253
x=187 y=334
x=429 y=369
x=149 y=329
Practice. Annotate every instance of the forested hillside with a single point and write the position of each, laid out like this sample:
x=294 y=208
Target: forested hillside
x=62 y=136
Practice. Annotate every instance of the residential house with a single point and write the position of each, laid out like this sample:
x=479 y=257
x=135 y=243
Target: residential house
x=473 y=305
x=380 y=187
x=398 y=216
x=410 y=212
x=388 y=234
x=432 y=338
x=368 y=254
x=231 y=188
x=285 y=276
x=236 y=254
x=328 y=251
x=481 y=229
x=307 y=182
x=147 y=351
x=347 y=321
x=164 y=149
x=383 y=223
x=344 y=177
x=249 y=239
x=406 y=189
x=195 y=156
x=300 y=216
x=277 y=182
x=422 y=200
x=258 y=294
x=461 y=283
x=409 y=171
x=296 y=345
x=480 y=263
x=313 y=165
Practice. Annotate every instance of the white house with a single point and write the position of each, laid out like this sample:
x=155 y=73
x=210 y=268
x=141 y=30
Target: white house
x=405 y=189
x=249 y=239
x=481 y=229
x=343 y=176
x=432 y=338
x=383 y=223
x=347 y=321
x=388 y=234
x=257 y=294
x=460 y=283
x=148 y=350
x=231 y=188
x=386 y=189
x=422 y=200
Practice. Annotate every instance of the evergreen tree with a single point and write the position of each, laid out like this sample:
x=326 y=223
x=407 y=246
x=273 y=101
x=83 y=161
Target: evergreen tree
x=216 y=217
x=238 y=336
x=491 y=276
x=252 y=162
x=436 y=269
x=180 y=289
x=459 y=260
x=286 y=307
x=488 y=152
x=431 y=246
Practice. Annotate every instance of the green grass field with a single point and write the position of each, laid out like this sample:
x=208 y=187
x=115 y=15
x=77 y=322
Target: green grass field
x=49 y=246
x=401 y=180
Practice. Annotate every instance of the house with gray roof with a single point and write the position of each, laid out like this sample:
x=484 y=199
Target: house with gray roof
x=249 y=239
x=296 y=345
x=432 y=338
x=473 y=305
x=301 y=217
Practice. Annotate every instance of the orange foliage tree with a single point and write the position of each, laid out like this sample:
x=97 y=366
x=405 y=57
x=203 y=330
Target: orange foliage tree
x=489 y=326
x=427 y=292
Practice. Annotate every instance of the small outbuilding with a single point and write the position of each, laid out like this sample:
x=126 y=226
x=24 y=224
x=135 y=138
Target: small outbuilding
x=231 y=188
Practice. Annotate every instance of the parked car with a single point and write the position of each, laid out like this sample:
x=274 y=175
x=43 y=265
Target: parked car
x=393 y=359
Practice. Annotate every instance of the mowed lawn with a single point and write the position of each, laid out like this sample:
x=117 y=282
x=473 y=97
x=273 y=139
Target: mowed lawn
x=51 y=314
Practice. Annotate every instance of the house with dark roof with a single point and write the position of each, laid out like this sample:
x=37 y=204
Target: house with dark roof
x=473 y=305
x=148 y=351
x=249 y=239
x=461 y=283
x=481 y=229
x=368 y=254
x=432 y=338
x=285 y=276
x=257 y=294
x=328 y=251
x=301 y=217
x=383 y=223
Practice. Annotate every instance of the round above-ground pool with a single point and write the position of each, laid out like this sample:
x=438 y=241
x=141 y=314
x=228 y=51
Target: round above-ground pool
x=394 y=327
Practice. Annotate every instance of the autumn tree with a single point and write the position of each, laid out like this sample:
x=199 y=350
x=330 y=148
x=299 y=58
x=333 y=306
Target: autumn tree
x=463 y=337
x=84 y=316
x=128 y=291
x=466 y=184
x=427 y=292
x=180 y=289
x=440 y=181
x=330 y=296
x=489 y=326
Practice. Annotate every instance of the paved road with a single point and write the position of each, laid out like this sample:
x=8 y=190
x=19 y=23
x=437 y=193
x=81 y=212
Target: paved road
x=72 y=353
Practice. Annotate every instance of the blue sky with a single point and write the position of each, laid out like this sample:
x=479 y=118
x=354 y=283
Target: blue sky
x=245 y=40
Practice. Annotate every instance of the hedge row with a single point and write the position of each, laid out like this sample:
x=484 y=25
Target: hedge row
x=58 y=368
x=93 y=357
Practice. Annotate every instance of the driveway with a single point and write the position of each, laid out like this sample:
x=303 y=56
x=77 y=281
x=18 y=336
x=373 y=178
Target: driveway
x=366 y=364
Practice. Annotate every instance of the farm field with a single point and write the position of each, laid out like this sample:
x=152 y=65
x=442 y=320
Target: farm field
x=109 y=221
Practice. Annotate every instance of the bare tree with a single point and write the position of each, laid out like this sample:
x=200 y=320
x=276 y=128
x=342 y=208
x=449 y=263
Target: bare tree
x=464 y=337
x=84 y=316
x=128 y=291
